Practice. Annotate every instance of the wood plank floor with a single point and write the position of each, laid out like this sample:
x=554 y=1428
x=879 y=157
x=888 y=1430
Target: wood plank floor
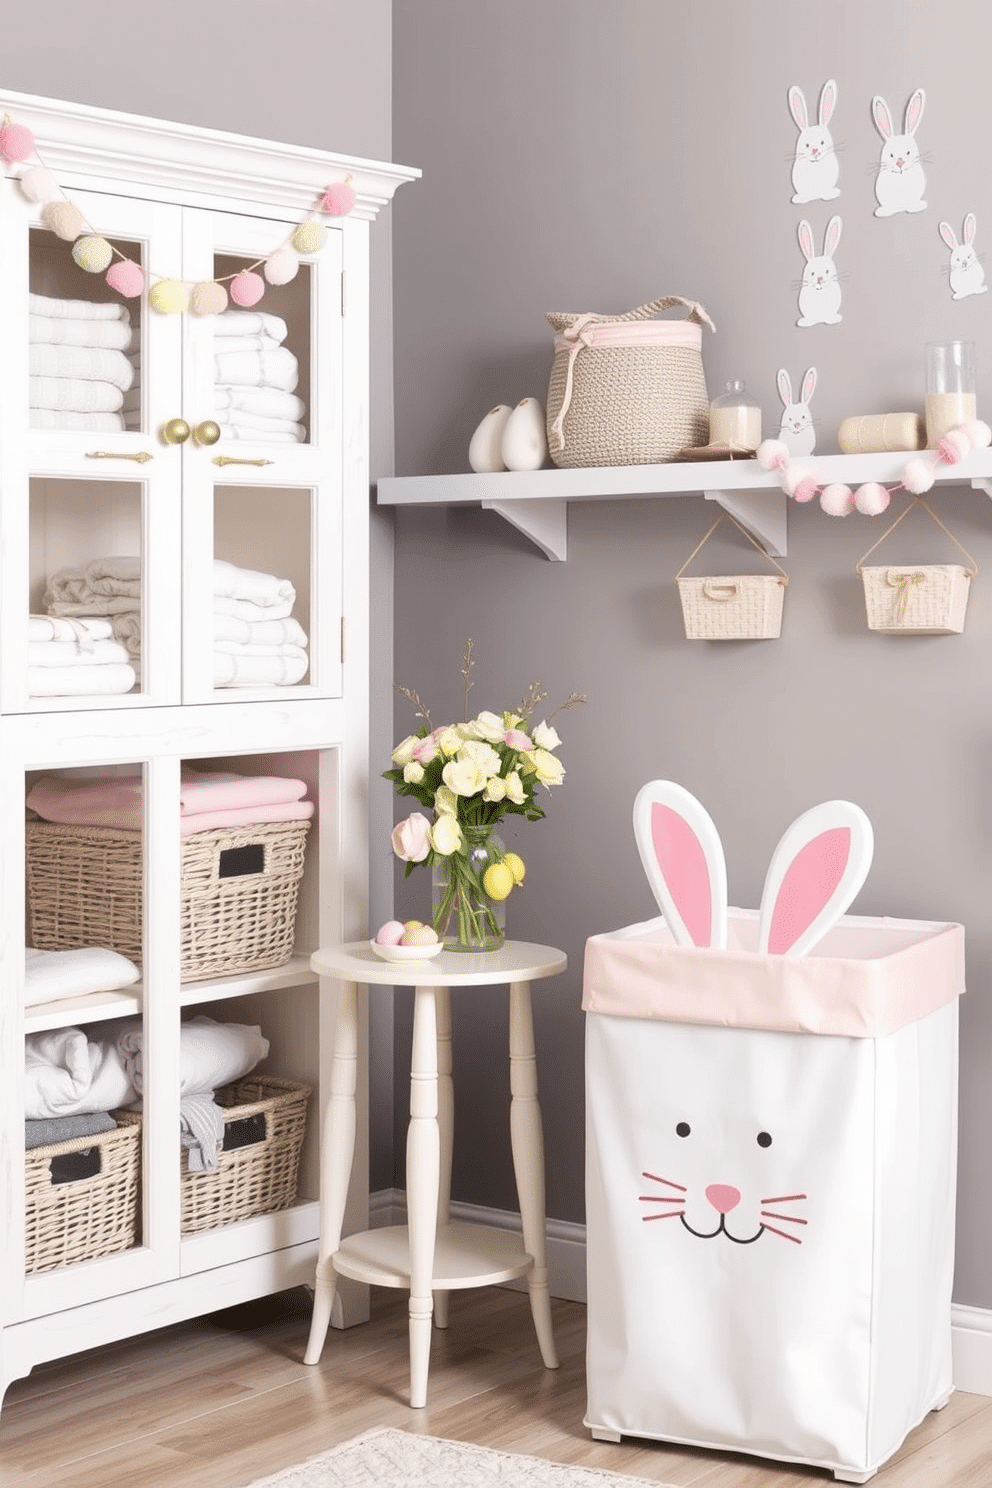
x=223 y=1400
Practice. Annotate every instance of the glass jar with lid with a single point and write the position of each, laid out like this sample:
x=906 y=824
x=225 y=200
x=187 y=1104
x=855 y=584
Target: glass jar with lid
x=735 y=418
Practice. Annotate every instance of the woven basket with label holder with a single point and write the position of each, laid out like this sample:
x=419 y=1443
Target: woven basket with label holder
x=919 y=599
x=626 y=389
x=738 y=607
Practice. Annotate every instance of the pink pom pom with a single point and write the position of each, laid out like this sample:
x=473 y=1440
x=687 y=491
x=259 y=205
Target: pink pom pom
x=339 y=199
x=978 y=432
x=871 y=499
x=790 y=477
x=127 y=278
x=247 y=288
x=918 y=476
x=954 y=447
x=16 y=142
x=772 y=454
x=837 y=500
x=806 y=489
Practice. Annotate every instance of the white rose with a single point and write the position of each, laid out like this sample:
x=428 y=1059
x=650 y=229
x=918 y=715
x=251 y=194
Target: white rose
x=411 y=838
x=445 y=801
x=403 y=753
x=413 y=773
x=450 y=740
x=545 y=737
x=549 y=771
x=464 y=777
x=495 y=789
x=514 y=789
x=481 y=754
x=486 y=726
x=446 y=836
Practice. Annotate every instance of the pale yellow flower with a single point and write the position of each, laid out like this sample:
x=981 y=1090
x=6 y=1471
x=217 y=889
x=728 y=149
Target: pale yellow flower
x=413 y=773
x=403 y=753
x=446 y=836
x=495 y=789
x=450 y=740
x=445 y=801
x=546 y=737
x=481 y=754
x=485 y=726
x=514 y=789
x=549 y=770
x=464 y=777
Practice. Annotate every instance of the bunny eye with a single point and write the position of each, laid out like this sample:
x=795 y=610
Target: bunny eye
x=683 y=1129
x=764 y=1139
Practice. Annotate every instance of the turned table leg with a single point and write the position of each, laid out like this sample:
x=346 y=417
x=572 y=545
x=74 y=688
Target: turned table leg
x=527 y=1143
x=423 y=1158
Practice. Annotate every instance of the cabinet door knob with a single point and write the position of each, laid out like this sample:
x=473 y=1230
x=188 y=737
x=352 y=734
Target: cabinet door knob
x=207 y=433
x=176 y=431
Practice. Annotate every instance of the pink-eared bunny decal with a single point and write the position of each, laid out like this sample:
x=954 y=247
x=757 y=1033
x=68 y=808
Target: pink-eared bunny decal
x=900 y=180
x=728 y=1181
x=814 y=167
x=796 y=428
x=967 y=277
x=819 y=295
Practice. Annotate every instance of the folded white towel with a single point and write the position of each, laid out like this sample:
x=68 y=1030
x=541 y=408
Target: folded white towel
x=238 y=424
x=269 y=402
x=231 y=582
x=90 y=362
x=245 y=609
x=256 y=436
x=79 y=681
x=211 y=1054
x=58 y=330
x=67 y=1075
x=110 y=578
x=50 y=976
x=250 y=323
x=94 y=423
x=127 y=630
x=75 y=653
x=260 y=342
x=258 y=671
x=288 y=632
x=255 y=648
x=277 y=368
x=78 y=309
x=79 y=393
x=56 y=628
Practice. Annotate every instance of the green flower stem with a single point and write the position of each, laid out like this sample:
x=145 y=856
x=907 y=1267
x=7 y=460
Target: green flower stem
x=465 y=897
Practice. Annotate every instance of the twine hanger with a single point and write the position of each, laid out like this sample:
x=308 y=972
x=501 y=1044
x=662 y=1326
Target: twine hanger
x=728 y=589
x=903 y=579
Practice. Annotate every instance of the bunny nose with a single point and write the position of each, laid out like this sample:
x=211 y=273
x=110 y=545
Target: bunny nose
x=901 y=161
x=723 y=1197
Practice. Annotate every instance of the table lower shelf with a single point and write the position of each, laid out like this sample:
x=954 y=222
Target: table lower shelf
x=464 y=1256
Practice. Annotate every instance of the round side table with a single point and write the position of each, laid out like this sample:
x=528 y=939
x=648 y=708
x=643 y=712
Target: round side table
x=428 y=1255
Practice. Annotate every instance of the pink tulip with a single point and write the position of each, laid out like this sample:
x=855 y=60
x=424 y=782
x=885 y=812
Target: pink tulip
x=411 y=838
x=514 y=739
x=427 y=749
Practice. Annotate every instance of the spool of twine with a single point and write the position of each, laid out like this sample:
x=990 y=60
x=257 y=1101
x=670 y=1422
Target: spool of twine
x=875 y=433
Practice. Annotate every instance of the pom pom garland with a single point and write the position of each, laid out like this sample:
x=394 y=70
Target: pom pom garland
x=310 y=237
x=918 y=476
x=339 y=199
x=247 y=288
x=806 y=489
x=92 y=253
x=791 y=476
x=126 y=277
x=208 y=298
x=837 y=500
x=954 y=447
x=772 y=454
x=64 y=218
x=16 y=142
x=39 y=185
x=283 y=266
x=871 y=499
x=978 y=432
x=169 y=296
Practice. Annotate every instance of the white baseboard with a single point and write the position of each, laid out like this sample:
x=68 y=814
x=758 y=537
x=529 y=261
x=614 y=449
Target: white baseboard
x=971 y=1327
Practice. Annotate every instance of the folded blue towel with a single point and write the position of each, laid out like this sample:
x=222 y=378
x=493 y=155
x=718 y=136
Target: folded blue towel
x=55 y=1129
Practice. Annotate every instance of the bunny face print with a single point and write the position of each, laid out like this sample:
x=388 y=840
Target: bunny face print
x=814 y=167
x=967 y=277
x=900 y=182
x=819 y=295
x=796 y=428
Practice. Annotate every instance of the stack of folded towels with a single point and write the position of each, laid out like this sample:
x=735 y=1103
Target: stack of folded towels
x=72 y=1075
x=79 y=365
x=255 y=379
x=208 y=801
x=256 y=641
x=75 y=657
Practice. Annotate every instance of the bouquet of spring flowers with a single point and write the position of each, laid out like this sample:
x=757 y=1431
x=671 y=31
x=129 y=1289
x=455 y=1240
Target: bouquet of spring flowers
x=469 y=776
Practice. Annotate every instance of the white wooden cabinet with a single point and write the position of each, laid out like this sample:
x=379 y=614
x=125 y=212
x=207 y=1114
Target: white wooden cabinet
x=192 y=205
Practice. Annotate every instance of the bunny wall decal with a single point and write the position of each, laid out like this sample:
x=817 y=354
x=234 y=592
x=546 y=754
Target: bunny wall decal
x=967 y=277
x=820 y=295
x=814 y=168
x=900 y=181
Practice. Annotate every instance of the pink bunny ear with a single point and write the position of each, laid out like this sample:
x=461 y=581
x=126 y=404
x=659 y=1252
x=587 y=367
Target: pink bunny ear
x=797 y=106
x=883 y=119
x=828 y=98
x=816 y=870
x=683 y=858
x=805 y=235
x=914 y=111
x=784 y=384
x=809 y=384
x=948 y=234
x=832 y=236
x=970 y=224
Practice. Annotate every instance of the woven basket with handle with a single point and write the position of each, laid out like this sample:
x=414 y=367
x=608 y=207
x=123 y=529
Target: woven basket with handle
x=738 y=607
x=917 y=599
x=627 y=389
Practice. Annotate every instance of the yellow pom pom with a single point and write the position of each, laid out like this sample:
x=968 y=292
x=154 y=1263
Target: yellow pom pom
x=310 y=237
x=92 y=253
x=169 y=296
x=208 y=298
x=64 y=218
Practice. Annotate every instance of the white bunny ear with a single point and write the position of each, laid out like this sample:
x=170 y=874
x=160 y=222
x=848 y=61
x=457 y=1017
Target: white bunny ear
x=948 y=234
x=828 y=99
x=784 y=385
x=914 y=112
x=683 y=858
x=883 y=119
x=832 y=236
x=797 y=106
x=970 y=224
x=809 y=384
x=816 y=870
x=805 y=235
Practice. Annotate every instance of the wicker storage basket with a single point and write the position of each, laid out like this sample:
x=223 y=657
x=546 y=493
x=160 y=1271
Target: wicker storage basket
x=264 y=1125
x=922 y=599
x=739 y=607
x=239 y=893
x=71 y=1218
x=625 y=389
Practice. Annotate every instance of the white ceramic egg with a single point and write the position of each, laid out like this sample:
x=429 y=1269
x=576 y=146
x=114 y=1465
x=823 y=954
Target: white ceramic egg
x=484 y=447
x=524 y=445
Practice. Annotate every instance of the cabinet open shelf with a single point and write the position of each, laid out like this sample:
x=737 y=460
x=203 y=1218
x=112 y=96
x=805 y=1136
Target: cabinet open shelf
x=536 y=501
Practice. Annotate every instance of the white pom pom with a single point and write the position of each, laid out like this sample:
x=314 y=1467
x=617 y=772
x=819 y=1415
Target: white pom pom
x=837 y=500
x=39 y=185
x=979 y=433
x=772 y=454
x=871 y=499
x=791 y=475
x=281 y=266
x=918 y=476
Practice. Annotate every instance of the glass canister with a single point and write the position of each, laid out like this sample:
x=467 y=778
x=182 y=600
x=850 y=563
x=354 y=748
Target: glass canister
x=950 y=369
x=735 y=419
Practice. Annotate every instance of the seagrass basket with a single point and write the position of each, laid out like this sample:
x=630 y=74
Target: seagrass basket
x=81 y=1197
x=627 y=389
x=265 y=1121
x=240 y=888
x=735 y=607
x=919 y=599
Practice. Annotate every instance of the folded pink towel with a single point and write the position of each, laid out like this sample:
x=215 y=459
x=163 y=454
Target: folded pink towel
x=206 y=801
x=248 y=816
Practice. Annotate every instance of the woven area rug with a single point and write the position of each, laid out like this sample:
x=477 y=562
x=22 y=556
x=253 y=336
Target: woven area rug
x=398 y=1459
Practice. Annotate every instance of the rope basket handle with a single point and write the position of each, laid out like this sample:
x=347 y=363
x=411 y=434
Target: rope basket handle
x=918 y=501
x=727 y=517
x=560 y=321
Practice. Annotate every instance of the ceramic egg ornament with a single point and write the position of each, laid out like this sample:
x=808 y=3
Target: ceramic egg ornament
x=484 y=447
x=524 y=445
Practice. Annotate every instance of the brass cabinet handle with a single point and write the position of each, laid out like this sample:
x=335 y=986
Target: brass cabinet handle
x=176 y=431
x=207 y=432
x=233 y=460
x=142 y=456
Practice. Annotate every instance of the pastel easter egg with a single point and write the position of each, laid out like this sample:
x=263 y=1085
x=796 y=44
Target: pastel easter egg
x=525 y=442
x=425 y=936
x=484 y=447
x=391 y=933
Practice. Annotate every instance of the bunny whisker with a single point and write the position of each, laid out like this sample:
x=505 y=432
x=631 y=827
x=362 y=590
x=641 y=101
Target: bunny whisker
x=784 y=1199
x=671 y=1214
x=655 y=1179
x=773 y=1231
x=661 y=1199
x=785 y=1218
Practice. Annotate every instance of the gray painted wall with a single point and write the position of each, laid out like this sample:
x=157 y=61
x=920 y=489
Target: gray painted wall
x=583 y=155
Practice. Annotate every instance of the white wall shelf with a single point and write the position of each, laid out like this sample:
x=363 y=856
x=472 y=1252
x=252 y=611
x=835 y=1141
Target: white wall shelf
x=536 y=501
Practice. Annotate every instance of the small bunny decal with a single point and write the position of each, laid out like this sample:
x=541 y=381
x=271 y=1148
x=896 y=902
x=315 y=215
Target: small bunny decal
x=814 y=168
x=819 y=296
x=900 y=182
x=967 y=274
x=796 y=429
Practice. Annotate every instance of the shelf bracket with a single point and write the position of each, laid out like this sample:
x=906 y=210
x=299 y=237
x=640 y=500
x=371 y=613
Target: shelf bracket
x=763 y=513
x=544 y=522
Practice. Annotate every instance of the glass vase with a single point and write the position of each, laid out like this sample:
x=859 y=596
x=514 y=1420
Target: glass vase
x=464 y=916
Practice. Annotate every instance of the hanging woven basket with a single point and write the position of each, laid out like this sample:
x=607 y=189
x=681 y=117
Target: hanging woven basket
x=738 y=607
x=920 y=599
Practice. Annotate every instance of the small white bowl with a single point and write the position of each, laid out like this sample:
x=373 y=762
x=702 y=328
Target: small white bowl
x=408 y=952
